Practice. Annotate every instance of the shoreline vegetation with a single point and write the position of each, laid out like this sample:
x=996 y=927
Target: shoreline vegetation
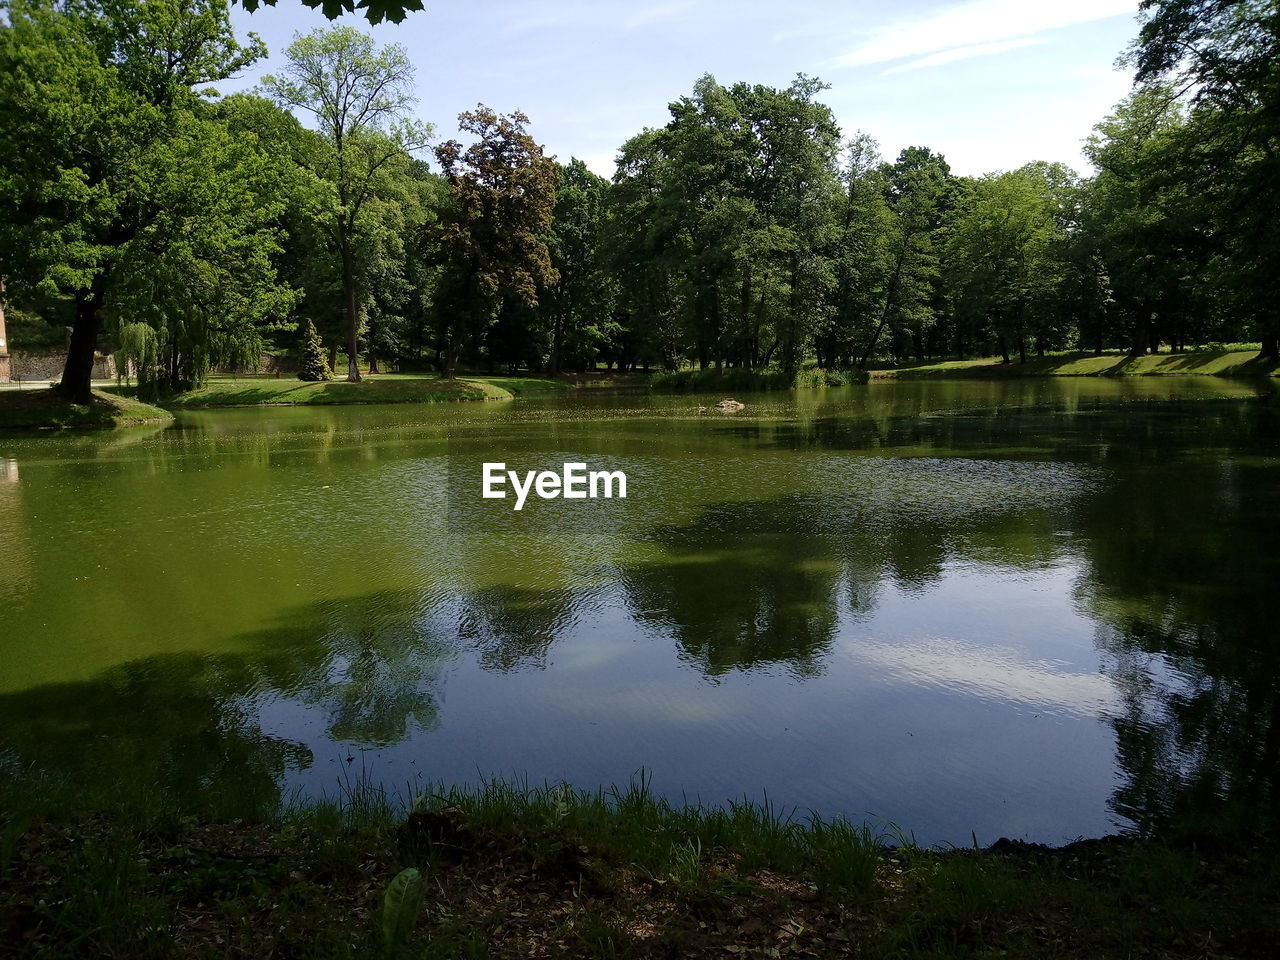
x=505 y=870
x=249 y=391
x=1233 y=361
x=114 y=406
x=46 y=409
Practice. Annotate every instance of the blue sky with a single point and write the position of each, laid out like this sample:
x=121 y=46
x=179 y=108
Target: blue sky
x=992 y=84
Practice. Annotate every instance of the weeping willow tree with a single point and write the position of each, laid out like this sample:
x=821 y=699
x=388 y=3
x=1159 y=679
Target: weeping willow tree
x=202 y=277
x=137 y=357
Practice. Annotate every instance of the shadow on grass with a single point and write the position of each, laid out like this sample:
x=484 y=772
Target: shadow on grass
x=1220 y=363
x=373 y=390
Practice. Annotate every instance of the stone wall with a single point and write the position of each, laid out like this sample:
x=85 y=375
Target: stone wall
x=31 y=366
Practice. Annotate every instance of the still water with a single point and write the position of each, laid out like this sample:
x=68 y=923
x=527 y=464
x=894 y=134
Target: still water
x=1038 y=609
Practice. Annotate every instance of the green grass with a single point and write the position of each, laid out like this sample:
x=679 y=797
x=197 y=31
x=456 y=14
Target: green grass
x=522 y=386
x=514 y=871
x=41 y=408
x=382 y=388
x=1233 y=360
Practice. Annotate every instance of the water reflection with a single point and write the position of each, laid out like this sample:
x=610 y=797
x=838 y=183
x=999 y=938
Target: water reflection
x=746 y=584
x=911 y=585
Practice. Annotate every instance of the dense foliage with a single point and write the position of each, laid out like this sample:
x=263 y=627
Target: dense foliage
x=748 y=233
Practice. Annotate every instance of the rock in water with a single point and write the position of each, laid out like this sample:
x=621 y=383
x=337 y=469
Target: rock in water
x=729 y=406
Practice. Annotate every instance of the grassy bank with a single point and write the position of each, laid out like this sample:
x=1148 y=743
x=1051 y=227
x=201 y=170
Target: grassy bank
x=513 y=872
x=381 y=388
x=1205 y=363
x=40 y=408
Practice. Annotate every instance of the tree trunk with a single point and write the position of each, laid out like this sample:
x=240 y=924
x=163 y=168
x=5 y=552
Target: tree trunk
x=373 y=361
x=1270 y=348
x=5 y=370
x=557 y=336
x=1141 y=332
x=351 y=315
x=78 y=371
x=889 y=296
x=791 y=345
x=452 y=354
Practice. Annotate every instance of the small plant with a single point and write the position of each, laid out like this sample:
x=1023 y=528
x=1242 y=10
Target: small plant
x=401 y=904
x=314 y=366
x=687 y=869
x=845 y=856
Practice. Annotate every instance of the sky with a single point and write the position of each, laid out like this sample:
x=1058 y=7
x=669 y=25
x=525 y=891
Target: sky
x=991 y=84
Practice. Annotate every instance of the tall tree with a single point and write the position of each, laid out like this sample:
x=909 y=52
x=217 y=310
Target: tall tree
x=580 y=301
x=360 y=97
x=1000 y=258
x=917 y=186
x=492 y=241
x=864 y=254
x=98 y=107
x=1149 y=226
x=1224 y=56
x=731 y=206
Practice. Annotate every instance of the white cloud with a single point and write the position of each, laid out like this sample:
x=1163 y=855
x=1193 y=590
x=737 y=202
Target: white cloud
x=965 y=53
x=603 y=162
x=979 y=27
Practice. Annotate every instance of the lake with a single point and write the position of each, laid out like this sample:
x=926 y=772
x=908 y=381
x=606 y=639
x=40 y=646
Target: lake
x=1040 y=609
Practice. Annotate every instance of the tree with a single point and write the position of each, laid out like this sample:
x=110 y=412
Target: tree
x=492 y=240
x=313 y=367
x=730 y=208
x=1224 y=55
x=1149 y=226
x=98 y=115
x=1000 y=259
x=360 y=98
x=580 y=301
x=375 y=11
x=917 y=184
x=863 y=253
x=203 y=274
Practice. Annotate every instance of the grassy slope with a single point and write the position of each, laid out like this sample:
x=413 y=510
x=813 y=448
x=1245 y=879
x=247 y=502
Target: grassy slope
x=43 y=408
x=387 y=388
x=513 y=872
x=1217 y=363
x=382 y=388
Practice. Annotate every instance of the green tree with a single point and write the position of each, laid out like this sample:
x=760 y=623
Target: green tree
x=375 y=11
x=360 y=97
x=1224 y=56
x=580 y=302
x=864 y=254
x=99 y=120
x=728 y=215
x=492 y=239
x=917 y=186
x=313 y=367
x=1001 y=259
x=1150 y=227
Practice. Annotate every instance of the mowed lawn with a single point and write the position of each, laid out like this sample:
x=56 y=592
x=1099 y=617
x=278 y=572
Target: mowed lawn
x=40 y=408
x=380 y=388
x=1210 y=363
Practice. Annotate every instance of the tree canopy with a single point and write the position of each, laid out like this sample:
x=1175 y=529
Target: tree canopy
x=186 y=231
